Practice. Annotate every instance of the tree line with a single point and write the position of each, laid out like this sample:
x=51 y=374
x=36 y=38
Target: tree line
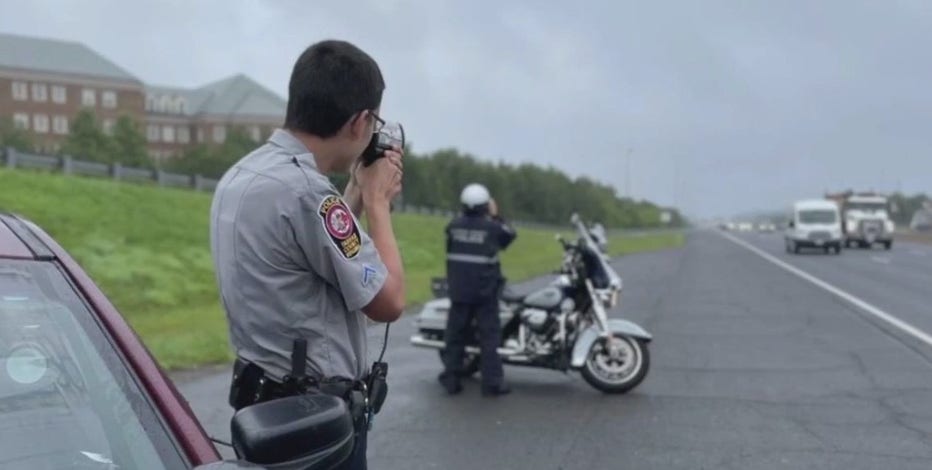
x=905 y=207
x=433 y=180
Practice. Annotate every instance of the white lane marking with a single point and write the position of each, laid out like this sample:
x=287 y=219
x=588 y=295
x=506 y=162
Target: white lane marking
x=863 y=305
x=880 y=259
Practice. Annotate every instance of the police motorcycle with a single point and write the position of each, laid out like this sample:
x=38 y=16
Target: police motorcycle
x=564 y=326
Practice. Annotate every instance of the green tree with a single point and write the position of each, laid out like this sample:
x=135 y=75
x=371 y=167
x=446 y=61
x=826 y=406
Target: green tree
x=195 y=160
x=86 y=141
x=213 y=161
x=128 y=145
x=11 y=136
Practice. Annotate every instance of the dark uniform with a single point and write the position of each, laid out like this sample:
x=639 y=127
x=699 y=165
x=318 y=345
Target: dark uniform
x=474 y=277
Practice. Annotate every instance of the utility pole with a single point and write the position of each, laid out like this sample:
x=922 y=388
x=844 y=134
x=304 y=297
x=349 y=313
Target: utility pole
x=628 y=173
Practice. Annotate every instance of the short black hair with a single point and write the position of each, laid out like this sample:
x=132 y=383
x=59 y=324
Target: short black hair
x=331 y=81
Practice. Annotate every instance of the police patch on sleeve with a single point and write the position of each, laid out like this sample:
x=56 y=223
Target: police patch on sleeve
x=340 y=226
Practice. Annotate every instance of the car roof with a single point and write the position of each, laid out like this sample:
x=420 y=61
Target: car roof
x=18 y=241
x=815 y=204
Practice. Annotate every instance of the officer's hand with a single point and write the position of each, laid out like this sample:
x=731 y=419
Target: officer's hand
x=493 y=208
x=381 y=181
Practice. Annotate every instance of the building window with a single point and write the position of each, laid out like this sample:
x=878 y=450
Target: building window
x=165 y=104
x=20 y=91
x=40 y=92
x=200 y=135
x=108 y=99
x=40 y=122
x=179 y=105
x=107 y=125
x=21 y=121
x=254 y=133
x=168 y=134
x=150 y=103
x=220 y=134
x=60 y=125
x=152 y=133
x=184 y=135
x=88 y=97
x=59 y=94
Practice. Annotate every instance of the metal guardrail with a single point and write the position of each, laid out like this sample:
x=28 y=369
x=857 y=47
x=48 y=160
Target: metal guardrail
x=68 y=165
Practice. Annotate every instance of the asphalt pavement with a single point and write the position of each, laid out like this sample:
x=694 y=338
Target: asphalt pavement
x=753 y=367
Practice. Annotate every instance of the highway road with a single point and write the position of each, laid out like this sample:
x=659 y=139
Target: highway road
x=761 y=360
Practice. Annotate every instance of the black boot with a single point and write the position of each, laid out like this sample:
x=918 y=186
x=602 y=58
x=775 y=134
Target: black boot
x=496 y=390
x=450 y=382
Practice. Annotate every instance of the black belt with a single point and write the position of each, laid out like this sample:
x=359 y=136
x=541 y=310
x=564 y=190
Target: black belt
x=251 y=385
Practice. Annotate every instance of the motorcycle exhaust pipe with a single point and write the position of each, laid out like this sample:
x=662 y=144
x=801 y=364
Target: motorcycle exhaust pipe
x=423 y=342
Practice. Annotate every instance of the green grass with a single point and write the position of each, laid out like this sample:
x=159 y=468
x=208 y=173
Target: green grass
x=147 y=248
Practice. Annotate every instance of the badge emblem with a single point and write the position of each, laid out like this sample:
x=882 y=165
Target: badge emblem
x=341 y=226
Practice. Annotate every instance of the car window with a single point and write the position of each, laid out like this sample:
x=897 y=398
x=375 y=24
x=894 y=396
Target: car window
x=818 y=216
x=66 y=397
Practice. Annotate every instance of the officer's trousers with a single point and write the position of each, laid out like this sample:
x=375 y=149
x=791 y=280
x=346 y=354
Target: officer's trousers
x=357 y=460
x=458 y=334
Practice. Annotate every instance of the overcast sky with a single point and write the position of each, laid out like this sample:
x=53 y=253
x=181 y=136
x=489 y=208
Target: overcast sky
x=727 y=106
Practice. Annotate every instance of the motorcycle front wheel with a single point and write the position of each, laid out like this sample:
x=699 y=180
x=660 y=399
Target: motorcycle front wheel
x=616 y=364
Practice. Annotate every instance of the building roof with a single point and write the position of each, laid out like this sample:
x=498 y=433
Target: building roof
x=52 y=55
x=238 y=95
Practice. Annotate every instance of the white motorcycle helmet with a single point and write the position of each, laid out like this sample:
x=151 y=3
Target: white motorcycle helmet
x=474 y=196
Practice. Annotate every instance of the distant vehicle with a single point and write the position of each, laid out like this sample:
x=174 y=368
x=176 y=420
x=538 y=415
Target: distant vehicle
x=79 y=390
x=814 y=223
x=866 y=219
x=766 y=227
x=922 y=218
x=745 y=227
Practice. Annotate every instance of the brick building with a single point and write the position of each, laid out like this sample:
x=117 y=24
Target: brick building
x=45 y=82
x=177 y=118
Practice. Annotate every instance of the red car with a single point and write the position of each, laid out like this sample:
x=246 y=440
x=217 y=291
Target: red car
x=79 y=390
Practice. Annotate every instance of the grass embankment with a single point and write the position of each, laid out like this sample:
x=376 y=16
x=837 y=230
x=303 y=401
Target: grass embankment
x=147 y=248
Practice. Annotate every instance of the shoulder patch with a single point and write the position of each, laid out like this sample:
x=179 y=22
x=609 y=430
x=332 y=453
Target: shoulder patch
x=340 y=225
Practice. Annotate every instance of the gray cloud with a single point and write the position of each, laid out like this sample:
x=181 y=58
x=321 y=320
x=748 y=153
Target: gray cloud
x=728 y=106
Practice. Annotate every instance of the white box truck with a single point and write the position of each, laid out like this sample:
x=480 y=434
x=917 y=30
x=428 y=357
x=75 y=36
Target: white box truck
x=865 y=219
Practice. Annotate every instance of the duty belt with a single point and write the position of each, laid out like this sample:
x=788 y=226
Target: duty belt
x=251 y=385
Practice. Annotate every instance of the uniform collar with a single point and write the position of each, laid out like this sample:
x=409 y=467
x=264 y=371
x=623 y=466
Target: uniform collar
x=293 y=146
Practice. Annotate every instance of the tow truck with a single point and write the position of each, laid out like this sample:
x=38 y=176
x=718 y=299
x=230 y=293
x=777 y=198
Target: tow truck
x=865 y=218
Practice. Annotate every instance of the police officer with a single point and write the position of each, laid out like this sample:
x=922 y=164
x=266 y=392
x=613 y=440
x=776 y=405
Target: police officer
x=474 y=276
x=292 y=261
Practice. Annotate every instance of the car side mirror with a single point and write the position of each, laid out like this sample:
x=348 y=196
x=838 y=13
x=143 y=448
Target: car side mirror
x=303 y=431
x=791 y=224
